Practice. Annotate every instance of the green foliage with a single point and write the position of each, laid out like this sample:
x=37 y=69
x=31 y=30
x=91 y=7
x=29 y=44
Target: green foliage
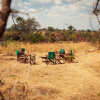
x=11 y=36
x=8 y=42
x=74 y=37
x=93 y=40
x=52 y=38
x=70 y=27
x=20 y=20
x=25 y=25
x=51 y=29
x=27 y=31
x=35 y=38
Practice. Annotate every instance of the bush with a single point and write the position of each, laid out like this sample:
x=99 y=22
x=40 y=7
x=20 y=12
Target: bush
x=53 y=35
x=93 y=40
x=36 y=38
x=52 y=38
x=9 y=42
x=11 y=36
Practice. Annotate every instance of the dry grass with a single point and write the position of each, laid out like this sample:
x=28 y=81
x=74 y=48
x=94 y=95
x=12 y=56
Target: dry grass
x=46 y=47
x=70 y=81
x=20 y=91
x=96 y=68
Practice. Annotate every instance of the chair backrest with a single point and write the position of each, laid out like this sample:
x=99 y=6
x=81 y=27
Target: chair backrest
x=51 y=55
x=23 y=49
x=17 y=52
x=62 y=51
x=71 y=53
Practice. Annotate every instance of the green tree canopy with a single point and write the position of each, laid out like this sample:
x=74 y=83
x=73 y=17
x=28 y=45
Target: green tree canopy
x=25 y=25
x=50 y=29
x=71 y=28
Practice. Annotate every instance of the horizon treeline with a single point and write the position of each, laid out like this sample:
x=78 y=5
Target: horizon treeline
x=29 y=30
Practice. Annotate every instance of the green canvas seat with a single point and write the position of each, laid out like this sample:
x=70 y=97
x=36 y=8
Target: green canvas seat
x=71 y=53
x=23 y=49
x=51 y=55
x=17 y=52
x=62 y=51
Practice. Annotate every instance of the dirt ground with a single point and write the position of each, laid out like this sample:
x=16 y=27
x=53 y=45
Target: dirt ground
x=69 y=81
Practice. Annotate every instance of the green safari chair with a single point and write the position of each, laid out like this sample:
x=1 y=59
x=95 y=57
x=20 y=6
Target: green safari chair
x=62 y=51
x=51 y=55
x=71 y=56
x=50 y=58
x=17 y=52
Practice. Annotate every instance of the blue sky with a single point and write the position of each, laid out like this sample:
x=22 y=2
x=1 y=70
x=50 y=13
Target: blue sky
x=59 y=13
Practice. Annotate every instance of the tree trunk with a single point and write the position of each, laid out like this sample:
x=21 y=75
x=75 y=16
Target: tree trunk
x=4 y=14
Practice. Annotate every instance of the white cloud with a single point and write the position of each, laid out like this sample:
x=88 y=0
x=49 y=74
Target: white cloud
x=58 y=1
x=40 y=1
x=59 y=10
x=27 y=3
x=47 y=1
x=57 y=14
x=32 y=10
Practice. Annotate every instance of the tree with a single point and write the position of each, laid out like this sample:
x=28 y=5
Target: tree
x=70 y=28
x=6 y=10
x=25 y=25
x=4 y=14
x=23 y=28
x=28 y=25
x=88 y=30
x=50 y=29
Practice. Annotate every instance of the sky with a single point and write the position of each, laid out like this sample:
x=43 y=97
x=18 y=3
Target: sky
x=58 y=13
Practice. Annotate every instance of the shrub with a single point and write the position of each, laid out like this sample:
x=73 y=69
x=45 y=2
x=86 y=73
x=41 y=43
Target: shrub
x=36 y=38
x=11 y=36
x=52 y=38
x=9 y=42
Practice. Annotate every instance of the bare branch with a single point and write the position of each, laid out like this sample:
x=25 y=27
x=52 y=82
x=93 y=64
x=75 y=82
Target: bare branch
x=96 y=11
x=17 y=12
